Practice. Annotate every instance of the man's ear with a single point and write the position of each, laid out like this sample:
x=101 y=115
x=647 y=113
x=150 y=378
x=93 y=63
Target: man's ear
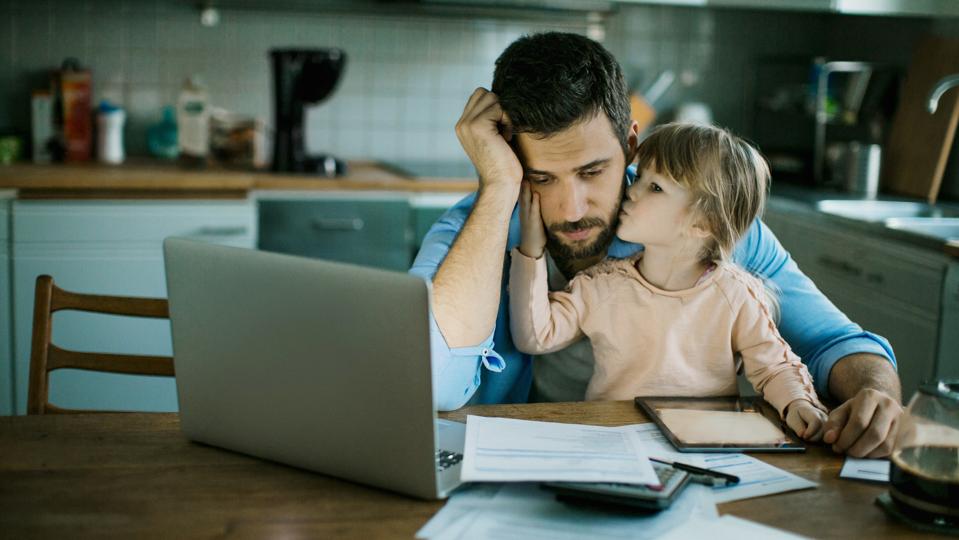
x=632 y=142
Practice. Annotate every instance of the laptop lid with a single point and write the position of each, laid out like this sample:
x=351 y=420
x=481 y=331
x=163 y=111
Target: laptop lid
x=316 y=364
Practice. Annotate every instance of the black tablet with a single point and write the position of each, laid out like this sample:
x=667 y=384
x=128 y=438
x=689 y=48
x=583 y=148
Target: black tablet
x=728 y=424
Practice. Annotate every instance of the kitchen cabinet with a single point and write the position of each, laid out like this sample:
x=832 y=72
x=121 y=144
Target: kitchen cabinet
x=6 y=324
x=352 y=228
x=108 y=247
x=889 y=287
x=372 y=229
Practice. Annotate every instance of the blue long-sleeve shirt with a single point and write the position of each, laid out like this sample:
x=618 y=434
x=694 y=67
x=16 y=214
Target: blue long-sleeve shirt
x=495 y=372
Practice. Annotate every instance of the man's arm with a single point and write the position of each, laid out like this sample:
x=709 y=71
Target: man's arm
x=463 y=256
x=466 y=288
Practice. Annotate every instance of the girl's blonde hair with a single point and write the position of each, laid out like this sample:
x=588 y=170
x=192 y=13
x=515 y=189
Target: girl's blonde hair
x=727 y=178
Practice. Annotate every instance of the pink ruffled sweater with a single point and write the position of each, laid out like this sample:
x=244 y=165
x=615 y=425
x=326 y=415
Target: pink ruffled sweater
x=648 y=341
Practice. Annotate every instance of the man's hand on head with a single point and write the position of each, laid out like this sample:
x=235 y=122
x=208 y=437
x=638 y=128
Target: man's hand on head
x=865 y=424
x=484 y=130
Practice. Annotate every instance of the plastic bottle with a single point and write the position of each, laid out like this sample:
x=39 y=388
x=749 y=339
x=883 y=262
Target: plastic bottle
x=162 y=136
x=110 y=119
x=193 y=122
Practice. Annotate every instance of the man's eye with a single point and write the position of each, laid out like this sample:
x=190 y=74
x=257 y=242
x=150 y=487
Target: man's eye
x=592 y=173
x=538 y=180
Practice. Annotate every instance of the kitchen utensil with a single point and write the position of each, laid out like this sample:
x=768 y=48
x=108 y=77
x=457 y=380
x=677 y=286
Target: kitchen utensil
x=919 y=142
x=643 y=104
x=854 y=167
x=924 y=467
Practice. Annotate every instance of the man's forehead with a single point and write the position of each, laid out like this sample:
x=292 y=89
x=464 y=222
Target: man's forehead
x=583 y=144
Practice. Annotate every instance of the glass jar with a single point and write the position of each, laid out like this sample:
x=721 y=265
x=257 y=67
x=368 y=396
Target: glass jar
x=924 y=470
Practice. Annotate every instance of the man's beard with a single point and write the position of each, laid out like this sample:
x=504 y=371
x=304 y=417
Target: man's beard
x=565 y=255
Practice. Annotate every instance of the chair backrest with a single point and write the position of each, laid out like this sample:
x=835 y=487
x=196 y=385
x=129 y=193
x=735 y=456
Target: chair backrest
x=46 y=357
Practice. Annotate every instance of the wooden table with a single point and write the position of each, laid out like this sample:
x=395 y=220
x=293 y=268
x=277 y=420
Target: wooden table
x=137 y=476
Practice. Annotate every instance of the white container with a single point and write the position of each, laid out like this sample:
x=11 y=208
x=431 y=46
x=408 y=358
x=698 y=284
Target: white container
x=41 y=120
x=110 y=136
x=193 y=121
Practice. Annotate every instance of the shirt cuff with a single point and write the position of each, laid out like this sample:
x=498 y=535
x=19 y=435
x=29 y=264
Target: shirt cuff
x=865 y=343
x=490 y=358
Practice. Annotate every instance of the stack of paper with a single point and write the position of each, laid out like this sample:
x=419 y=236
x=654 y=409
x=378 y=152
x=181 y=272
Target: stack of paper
x=507 y=450
x=518 y=451
x=523 y=511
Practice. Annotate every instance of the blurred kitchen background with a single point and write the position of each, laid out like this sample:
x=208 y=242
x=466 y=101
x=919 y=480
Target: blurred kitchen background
x=834 y=92
x=410 y=66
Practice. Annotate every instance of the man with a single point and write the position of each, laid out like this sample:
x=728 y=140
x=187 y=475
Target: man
x=558 y=118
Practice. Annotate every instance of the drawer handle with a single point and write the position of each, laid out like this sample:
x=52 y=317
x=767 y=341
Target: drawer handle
x=338 y=224
x=222 y=231
x=840 y=266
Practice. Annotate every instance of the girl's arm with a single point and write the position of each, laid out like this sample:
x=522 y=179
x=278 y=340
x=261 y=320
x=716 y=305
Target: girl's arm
x=540 y=321
x=770 y=365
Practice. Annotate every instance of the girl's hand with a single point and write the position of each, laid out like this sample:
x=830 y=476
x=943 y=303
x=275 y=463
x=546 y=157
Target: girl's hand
x=532 y=233
x=805 y=419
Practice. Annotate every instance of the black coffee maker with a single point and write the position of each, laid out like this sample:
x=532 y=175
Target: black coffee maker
x=302 y=77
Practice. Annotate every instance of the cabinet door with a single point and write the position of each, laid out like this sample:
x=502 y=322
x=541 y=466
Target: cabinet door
x=108 y=248
x=367 y=232
x=6 y=307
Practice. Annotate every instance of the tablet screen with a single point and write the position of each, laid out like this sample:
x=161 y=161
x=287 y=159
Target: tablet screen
x=700 y=427
x=728 y=424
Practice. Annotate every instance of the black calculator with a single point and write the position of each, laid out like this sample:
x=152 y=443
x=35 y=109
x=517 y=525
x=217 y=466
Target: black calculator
x=635 y=496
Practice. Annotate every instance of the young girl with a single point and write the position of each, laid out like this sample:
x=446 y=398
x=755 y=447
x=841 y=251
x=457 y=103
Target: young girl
x=670 y=320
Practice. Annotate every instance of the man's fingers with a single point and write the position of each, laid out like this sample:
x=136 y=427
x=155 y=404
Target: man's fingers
x=876 y=433
x=486 y=108
x=858 y=422
x=471 y=102
x=835 y=423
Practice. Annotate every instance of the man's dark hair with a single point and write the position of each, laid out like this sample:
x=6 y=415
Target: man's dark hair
x=550 y=81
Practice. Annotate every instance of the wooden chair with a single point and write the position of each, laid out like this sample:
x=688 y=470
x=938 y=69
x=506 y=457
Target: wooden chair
x=46 y=357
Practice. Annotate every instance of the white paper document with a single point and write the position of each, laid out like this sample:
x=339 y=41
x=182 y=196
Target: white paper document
x=727 y=528
x=523 y=511
x=756 y=477
x=876 y=470
x=508 y=450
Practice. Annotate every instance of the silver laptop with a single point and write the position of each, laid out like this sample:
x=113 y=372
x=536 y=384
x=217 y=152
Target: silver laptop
x=316 y=364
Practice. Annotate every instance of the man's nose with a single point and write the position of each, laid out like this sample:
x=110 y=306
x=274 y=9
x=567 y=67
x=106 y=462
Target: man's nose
x=574 y=202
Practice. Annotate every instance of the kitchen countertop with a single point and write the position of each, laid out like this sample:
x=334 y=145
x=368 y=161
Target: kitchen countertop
x=790 y=197
x=147 y=178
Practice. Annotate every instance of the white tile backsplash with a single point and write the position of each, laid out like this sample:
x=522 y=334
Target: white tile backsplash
x=407 y=77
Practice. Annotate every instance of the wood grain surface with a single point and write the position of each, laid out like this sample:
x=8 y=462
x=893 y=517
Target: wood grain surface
x=137 y=476
x=141 y=179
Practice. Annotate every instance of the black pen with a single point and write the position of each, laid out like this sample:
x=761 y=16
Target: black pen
x=701 y=475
